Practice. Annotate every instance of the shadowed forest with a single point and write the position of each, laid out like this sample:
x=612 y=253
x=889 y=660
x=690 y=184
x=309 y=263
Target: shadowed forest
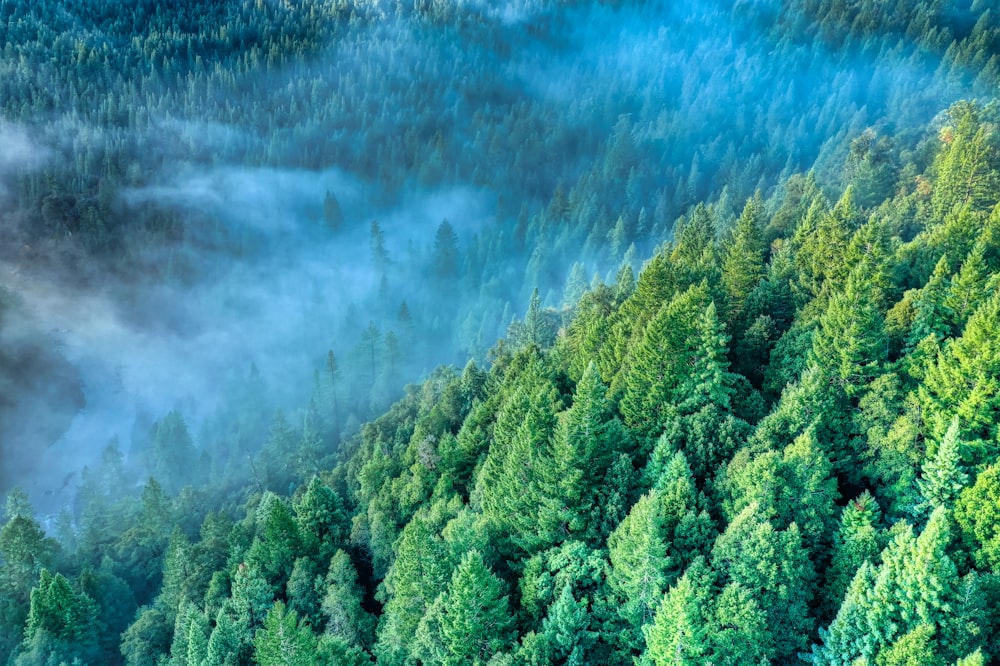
x=443 y=332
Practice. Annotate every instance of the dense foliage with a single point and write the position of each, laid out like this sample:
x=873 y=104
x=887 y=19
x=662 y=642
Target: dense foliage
x=774 y=441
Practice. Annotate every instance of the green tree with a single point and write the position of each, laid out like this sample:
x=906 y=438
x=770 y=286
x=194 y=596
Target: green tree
x=146 y=639
x=284 y=640
x=565 y=637
x=967 y=287
x=964 y=380
x=278 y=543
x=915 y=648
x=171 y=453
x=743 y=266
x=967 y=168
x=931 y=314
x=341 y=604
x=796 y=486
x=943 y=476
x=775 y=567
x=419 y=573
x=322 y=520
x=62 y=623
x=471 y=620
x=230 y=642
x=850 y=343
x=679 y=633
x=660 y=362
x=512 y=482
x=977 y=513
x=855 y=543
x=585 y=437
x=664 y=531
x=916 y=584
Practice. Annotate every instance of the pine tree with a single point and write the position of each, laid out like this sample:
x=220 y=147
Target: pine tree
x=332 y=213
x=197 y=639
x=564 y=637
x=341 y=605
x=915 y=648
x=967 y=287
x=796 y=486
x=977 y=513
x=694 y=249
x=943 y=476
x=708 y=381
x=850 y=343
x=585 y=438
x=62 y=623
x=932 y=316
x=322 y=520
x=659 y=362
x=513 y=480
x=475 y=621
x=855 y=543
x=964 y=380
x=445 y=261
x=284 y=640
x=739 y=633
x=662 y=534
x=679 y=635
x=278 y=544
x=967 y=166
x=171 y=453
x=333 y=372
x=916 y=584
x=231 y=641
x=380 y=256
x=743 y=266
x=418 y=574
x=576 y=286
x=775 y=566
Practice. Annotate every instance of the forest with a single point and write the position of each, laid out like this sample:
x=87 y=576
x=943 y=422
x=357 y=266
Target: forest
x=546 y=332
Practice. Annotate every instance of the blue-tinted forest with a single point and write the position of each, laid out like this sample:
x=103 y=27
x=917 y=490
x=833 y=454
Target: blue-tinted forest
x=459 y=333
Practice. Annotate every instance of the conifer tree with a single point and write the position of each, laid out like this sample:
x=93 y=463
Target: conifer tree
x=964 y=381
x=62 y=623
x=663 y=533
x=775 y=566
x=931 y=314
x=967 y=287
x=198 y=633
x=707 y=381
x=943 y=476
x=229 y=643
x=967 y=166
x=679 y=635
x=659 y=363
x=916 y=584
x=977 y=513
x=284 y=640
x=576 y=286
x=850 y=343
x=418 y=574
x=855 y=543
x=584 y=440
x=512 y=480
x=341 y=605
x=743 y=267
x=473 y=620
x=322 y=520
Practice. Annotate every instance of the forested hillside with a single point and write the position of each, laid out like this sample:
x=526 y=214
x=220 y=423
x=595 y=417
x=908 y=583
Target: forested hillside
x=699 y=306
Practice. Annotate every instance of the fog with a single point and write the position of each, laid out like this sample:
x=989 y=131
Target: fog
x=140 y=350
